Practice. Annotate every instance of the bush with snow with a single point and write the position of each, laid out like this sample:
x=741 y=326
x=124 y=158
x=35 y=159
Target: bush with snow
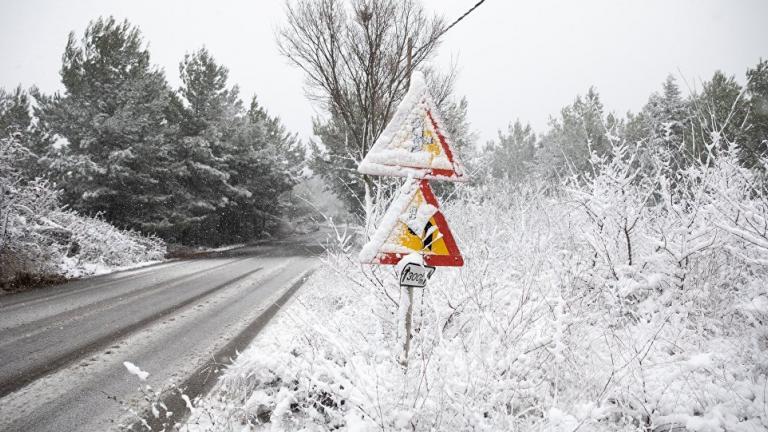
x=41 y=239
x=629 y=299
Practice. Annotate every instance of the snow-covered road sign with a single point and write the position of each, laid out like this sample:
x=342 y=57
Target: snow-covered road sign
x=416 y=275
x=415 y=143
x=413 y=224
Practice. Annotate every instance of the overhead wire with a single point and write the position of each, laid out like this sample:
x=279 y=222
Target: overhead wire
x=472 y=9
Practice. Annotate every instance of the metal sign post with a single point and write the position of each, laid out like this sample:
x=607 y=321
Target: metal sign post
x=413 y=275
x=406 y=302
x=406 y=292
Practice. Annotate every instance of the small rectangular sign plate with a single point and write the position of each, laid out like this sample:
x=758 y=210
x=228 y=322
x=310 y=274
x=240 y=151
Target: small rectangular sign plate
x=416 y=275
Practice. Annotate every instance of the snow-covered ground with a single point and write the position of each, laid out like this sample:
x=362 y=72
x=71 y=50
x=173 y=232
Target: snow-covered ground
x=61 y=243
x=617 y=302
x=41 y=239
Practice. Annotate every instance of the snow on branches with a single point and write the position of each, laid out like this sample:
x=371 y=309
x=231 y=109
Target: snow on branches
x=41 y=238
x=631 y=298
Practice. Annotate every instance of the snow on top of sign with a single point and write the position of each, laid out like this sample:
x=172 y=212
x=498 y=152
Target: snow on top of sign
x=399 y=150
x=401 y=171
x=411 y=258
x=389 y=221
x=416 y=218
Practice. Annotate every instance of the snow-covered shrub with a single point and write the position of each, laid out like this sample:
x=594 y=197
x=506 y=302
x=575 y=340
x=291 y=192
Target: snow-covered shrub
x=39 y=238
x=632 y=299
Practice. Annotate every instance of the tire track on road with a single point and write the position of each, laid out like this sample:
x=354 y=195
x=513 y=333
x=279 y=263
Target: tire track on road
x=12 y=302
x=79 y=350
x=27 y=329
x=205 y=377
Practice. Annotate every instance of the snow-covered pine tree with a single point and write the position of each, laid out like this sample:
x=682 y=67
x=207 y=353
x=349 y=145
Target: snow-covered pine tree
x=16 y=121
x=14 y=111
x=579 y=131
x=114 y=116
x=720 y=109
x=207 y=112
x=231 y=165
x=757 y=90
x=661 y=126
x=511 y=157
x=268 y=161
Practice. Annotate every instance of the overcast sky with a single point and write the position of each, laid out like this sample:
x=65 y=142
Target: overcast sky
x=517 y=59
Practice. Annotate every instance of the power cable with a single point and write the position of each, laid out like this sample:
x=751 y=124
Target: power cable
x=472 y=9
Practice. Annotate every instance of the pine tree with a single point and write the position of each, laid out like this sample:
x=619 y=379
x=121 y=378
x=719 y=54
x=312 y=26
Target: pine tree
x=209 y=102
x=579 y=132
x=14 y=111
x=231 y=166
x=757 y=90
x=114 y=116
x=663 y=124
x=512 y=157
x=207 y=111
x=283 y=147
x=267 y=161
x=16 y=121
x=720 y=117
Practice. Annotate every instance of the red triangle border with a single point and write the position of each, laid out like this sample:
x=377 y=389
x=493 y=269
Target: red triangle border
x=454 y=258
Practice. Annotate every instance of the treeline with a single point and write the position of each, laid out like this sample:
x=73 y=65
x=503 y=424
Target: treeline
x=191 y=165
x=687 y=129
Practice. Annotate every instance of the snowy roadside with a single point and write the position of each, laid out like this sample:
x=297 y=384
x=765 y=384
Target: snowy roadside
x=72 y=269
x=560 y=320
x=77 y=271
x=181 y=252
x=216 y=412
x=70 y=246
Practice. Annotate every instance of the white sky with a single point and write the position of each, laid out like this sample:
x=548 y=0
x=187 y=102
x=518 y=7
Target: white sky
x=516 y=59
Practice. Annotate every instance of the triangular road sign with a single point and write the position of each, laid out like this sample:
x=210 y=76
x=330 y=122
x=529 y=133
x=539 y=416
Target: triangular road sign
x=415 y=143
x=413 y=224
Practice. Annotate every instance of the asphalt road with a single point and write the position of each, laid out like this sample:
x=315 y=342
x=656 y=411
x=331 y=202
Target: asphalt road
x=62 y=348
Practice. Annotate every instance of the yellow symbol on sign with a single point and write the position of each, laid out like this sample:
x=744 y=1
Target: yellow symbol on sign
x=417 y=230
x=413 y=224
x=432 y=146
x=425 y=139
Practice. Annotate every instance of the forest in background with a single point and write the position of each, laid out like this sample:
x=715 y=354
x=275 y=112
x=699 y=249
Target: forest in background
x=198 y=166
x=688 y=123
x=104 y=173
x=192 y=165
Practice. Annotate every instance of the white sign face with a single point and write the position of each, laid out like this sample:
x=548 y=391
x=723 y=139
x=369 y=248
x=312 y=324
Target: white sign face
x=416 y=275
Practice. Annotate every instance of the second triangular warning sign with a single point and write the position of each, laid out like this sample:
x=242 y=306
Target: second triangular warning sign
x=413 y=224
x=415 y=142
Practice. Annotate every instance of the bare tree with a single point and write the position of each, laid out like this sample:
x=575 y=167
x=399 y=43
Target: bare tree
x=355 y=57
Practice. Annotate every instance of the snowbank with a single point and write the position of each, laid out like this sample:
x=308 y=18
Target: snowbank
x=42 y=241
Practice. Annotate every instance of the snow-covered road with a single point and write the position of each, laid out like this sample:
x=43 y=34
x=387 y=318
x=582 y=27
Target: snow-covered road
x=62 y=349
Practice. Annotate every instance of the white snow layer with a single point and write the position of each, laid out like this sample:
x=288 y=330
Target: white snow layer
x=402 y=209
x=135 y=370
x=399 y=150
x=411 y=258
x=417 y=217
